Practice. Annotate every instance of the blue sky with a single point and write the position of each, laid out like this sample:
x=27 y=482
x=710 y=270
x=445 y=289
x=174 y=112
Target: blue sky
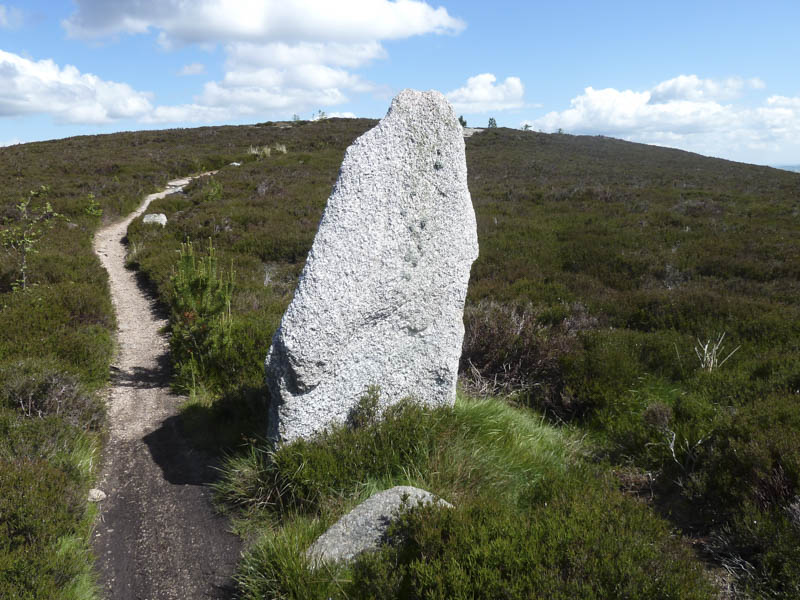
x=716 y=77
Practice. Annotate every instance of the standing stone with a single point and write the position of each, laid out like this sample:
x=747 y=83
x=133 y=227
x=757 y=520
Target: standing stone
x=381 y=298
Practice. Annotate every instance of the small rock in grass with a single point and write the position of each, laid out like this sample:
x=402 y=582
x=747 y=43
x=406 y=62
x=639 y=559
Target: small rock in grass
x=160 y=219
x=363 y=528
x=96 y=495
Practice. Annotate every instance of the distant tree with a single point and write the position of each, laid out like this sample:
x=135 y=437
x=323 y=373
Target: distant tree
x=462 y=120
x=560 y=130
x=295 y=117
x=526 y=127
x=492 y=123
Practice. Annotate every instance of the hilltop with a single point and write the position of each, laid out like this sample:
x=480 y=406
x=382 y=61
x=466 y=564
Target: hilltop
x=605 y=267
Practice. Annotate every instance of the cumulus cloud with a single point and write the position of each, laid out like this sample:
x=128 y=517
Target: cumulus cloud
x=685 y=112
x=691 y=87
x=482 y=94
x=193 y=69
x=280 y=56
x=204 y=21
x=283 y=54
x=783 y=102
x=31 y=87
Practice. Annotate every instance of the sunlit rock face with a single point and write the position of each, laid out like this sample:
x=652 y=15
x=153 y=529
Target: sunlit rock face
x=381 y=298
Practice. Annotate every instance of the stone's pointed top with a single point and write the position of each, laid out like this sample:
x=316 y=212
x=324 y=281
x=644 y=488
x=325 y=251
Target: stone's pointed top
x=381 y=298
x=413 y=98
x=419 y=107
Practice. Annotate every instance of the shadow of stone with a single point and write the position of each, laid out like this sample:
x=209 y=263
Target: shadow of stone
x=180 y=462
x=143 y=377
x=183 y=465
x=233 y=419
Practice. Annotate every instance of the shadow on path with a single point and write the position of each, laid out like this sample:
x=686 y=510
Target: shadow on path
x=179 y=462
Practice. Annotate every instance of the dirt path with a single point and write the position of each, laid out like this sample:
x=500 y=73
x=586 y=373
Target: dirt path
x=157 y=537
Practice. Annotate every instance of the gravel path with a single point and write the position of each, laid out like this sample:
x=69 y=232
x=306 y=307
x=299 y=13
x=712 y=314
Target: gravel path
x=158 y=536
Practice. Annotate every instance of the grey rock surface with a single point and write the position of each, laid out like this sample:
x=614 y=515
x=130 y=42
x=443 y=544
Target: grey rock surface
x=363 y=528
x=381 y=298
x=96 y=495
x=153 y=218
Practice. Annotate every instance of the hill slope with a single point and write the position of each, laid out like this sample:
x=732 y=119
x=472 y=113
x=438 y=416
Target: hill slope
x=604 y=265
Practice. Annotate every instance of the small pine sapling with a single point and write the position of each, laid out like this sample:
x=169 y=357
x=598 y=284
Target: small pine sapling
x=22 y=236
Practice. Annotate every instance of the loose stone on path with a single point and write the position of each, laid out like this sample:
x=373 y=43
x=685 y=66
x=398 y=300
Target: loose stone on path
x=381 y=298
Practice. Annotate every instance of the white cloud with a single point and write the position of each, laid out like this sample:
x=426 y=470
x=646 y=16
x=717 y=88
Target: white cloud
x=187 y=113
x=783 y=102
x=193 y=69
x=10 y=17
x=280 y=56
x=481 y=94
x=691 y=87
x=31 y=87
x=685 y=112
x=325 y=115
x=204 y=21
x=342 y=115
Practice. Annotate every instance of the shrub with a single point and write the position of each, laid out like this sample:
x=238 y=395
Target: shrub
x=752 y=459
x=201 y=322
x=23 y=235
x=42 y=510
x=586 y=545
x=762 y=549
x=507 y=350
x=39 y=390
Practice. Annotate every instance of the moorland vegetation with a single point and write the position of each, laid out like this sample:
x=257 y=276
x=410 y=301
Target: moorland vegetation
x=591 y=427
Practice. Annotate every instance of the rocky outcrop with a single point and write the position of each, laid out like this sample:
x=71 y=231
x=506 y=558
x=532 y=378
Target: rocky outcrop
x=381 y=298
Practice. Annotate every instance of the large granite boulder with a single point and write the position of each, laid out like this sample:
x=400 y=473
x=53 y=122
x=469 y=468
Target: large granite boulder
x=364 y=527
x=381 y=298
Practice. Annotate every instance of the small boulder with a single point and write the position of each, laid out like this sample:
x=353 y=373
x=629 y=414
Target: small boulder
x=96 y=495
x=152 y=218
x=363 y=528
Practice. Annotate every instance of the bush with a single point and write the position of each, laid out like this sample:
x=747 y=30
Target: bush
x=530 y=520
x=762 y=548
x=585 y=545
x=509 y=350
x=200 y=322
x=752 y=459
x=43 y=521
x=39 y=390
